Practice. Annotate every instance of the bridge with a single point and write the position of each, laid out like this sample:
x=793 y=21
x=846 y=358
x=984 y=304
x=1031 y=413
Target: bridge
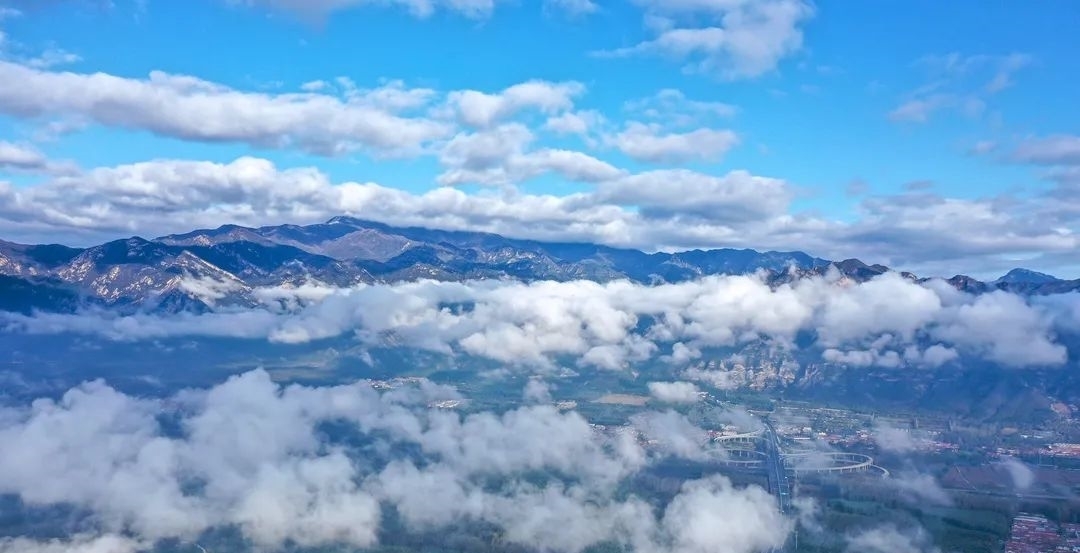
x=743 y=438
x=765 y=452
x=829 y=462
x=775 y=469
x=761 y=449
x=778 y=478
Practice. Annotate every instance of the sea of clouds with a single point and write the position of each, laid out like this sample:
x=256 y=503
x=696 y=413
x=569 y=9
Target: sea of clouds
x=888 y=321
x=255 y=456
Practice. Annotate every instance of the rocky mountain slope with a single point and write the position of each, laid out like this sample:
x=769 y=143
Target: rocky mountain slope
x=136 y=273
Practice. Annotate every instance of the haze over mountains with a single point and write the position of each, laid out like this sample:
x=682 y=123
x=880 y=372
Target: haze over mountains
x=136 y=273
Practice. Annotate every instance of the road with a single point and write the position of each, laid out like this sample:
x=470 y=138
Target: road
x=779 y=485
x=778 y=478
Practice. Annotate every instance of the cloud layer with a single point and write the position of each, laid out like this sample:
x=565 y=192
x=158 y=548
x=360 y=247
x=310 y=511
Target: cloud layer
x=255 y=456
x=506 y=137
x=661 y=209
x=887 y=322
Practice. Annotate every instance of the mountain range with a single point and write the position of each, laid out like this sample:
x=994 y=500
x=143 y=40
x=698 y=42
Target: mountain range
x=156 y=275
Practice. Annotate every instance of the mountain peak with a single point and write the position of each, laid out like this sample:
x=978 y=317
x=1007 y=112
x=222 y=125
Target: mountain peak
x=1026 y=276
x=342 y=220
x=347 y=250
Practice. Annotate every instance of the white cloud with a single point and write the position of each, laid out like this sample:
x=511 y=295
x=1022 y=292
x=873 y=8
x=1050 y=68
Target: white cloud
x=1061 y=149
x=919 y=488
x=742 y=38
x=250 y=454
x=574 y=122
x=480 y=109
x=51 y=57
x=671 y=106
x=573 y=8
x=1022 y=476
x=996 y=71
x=77 y=544
x=25 y=157
x=1008 y=65
x=736 y=196
x=674 y=392
x=919 y=110
x=894 y=439
x=890 y=320
x=673 y=434
x=890 y=539
x=537 y=391
x=650 y=143
x=655 y=210
x=189 y=108
x=711 y=511
x=1021 y=344
x=21 y=156
x=958 y=83
x=500 y=156
x=317 y=9
x=907 y=222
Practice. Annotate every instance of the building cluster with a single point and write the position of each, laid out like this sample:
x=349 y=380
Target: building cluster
x=393 y=383
x=1063 y=450
x=852 y=430
x=1038 y=534
x=926 y=441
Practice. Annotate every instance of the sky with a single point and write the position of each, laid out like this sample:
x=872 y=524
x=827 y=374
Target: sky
x=939 y=137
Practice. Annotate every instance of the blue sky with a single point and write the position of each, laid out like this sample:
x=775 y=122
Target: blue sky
x=893 y=128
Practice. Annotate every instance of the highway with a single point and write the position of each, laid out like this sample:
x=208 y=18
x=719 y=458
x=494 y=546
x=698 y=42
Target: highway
x=778 y=478
x=779 y=484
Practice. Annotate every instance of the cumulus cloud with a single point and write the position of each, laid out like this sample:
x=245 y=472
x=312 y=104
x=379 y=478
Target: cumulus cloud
x=720 y=379
x=574 y=122
x=1022 y=476
x=890 y=539
x=897 y=440
x=902 y=224
x=673 y=434
x=317 y=9
x=501 y=156
x=674 y=392
x=740 y=39
x=26 y=158
x=1062 y=149
x=731 y=198
x=613 y=325
x=672 y=106
x=920 y=488
x=646 y=142
x=21 y=156
x=710 y=511
x=572 y=8
x=171 y=195
x=76 y=544
x=190 y=108
x=537 y=391
x=479 y=109
x=251 y=454
x=654 y=210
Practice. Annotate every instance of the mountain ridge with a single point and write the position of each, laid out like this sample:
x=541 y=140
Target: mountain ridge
x=137 y=273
